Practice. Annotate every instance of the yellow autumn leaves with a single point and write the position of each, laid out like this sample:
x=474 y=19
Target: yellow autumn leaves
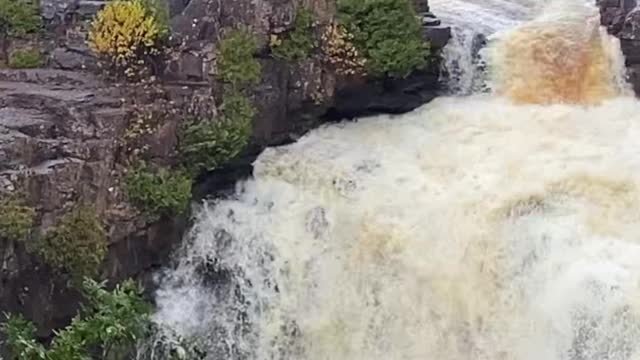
x=123 y=34
x=340 y=52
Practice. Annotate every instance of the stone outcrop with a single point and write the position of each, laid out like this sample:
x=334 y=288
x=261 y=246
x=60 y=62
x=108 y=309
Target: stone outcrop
x=622 y=19
x=288 y=91
x=61 y=131
x=59 y=145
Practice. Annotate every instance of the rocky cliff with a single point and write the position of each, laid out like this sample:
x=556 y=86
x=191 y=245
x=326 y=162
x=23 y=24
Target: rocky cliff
x=62 y=130
x=622 y=19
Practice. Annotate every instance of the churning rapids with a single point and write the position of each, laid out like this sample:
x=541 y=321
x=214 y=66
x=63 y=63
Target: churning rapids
x=503 y=225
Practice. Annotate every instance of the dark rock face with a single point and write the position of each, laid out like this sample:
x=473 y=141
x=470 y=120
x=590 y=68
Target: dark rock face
x=59 y=144
x=622 y=19
x=61 y=131
x=385 y=96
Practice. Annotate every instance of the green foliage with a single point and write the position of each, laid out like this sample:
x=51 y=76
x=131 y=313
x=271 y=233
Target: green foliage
x=298 y=43
x=26 y=59
x=19 y=17
x=159 y=10
x=107 y=328
x=207 y=142
x=158 y=193
x=388 y=33
x=16 y=218
x=77 y=244
x=236 y=63
x=20 y=334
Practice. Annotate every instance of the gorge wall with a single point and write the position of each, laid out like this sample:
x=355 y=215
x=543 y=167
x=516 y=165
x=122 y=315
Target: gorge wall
x=62 y=130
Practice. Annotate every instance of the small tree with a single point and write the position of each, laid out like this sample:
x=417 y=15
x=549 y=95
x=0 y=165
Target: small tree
x=236 y=63
x=16 y=218
x=77 y=245
x=107 y=328
x=388 y=34
x=17 y=18
x=297 y=44
x=158 y=193
x=208 y=141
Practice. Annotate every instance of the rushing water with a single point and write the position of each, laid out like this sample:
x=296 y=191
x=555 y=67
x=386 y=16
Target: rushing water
x=501 y=226
x=473 y=22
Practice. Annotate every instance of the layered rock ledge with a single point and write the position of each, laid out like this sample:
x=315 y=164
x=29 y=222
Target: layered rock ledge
x=62 y=131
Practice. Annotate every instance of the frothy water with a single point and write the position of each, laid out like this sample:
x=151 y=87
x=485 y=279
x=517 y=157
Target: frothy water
x=562 y=55
x=473 y=22
x=555 y=38
x=493 y=226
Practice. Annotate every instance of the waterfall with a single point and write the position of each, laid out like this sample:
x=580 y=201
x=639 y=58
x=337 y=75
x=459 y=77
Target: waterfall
x=501 y=225
x=473 y=22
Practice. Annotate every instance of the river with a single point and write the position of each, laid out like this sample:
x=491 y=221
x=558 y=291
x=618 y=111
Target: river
x=500 y=223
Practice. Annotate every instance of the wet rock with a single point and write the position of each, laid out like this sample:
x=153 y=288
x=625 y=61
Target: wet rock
x=394 y=96
x=437 y=35
x=422 y=5
x=622 y=19
x=631 y=27
x=430 y=21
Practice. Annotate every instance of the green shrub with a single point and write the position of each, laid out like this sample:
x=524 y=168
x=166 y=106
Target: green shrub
x=207 y=142
x=18 y=18
x=107 y=328
x=158 y=193
x=388 y=33
x=76 y=245
x=16 y=218
x=299 y=42
x=236 y=63
x=26 y=59
x=159 y=10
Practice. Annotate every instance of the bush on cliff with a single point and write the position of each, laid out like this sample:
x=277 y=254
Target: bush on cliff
x=77 y=245
x=125 y=36
x=108 y=327
x=26 y=59
x=159 y=10
x=297 y=44
x=387 y=33
x=340 y=52
x=158 y=193
x=17 y=18
x=208 y=138
x=16 y=218
x=236 y=63
x=208 y=141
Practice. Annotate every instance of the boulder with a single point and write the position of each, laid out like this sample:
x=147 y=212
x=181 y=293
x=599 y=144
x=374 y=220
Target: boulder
x=66 y=59
x=438 y=35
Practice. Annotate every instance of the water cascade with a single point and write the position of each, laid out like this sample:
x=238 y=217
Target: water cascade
x=473 y=22
x=503 y=225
